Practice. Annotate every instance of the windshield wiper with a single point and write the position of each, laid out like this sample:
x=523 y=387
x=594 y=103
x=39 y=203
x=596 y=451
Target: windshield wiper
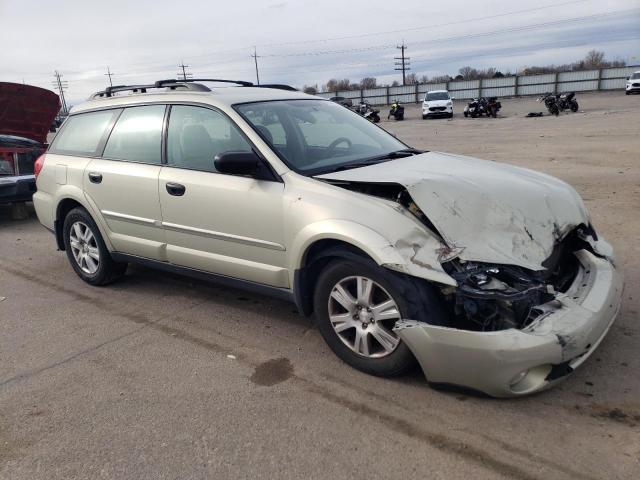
x=406 y=152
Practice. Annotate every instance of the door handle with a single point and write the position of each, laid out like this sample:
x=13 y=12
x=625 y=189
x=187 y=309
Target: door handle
x=175 y=189
x=95 y=177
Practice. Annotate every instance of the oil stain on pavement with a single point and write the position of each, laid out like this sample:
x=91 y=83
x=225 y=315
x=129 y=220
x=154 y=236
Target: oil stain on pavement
x=272 y=372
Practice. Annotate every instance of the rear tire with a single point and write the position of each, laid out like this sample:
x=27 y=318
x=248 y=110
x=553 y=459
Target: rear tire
x=87 y=251
x=411 y=299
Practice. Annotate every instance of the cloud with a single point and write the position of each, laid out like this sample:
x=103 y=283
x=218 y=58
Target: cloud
x=145 y=40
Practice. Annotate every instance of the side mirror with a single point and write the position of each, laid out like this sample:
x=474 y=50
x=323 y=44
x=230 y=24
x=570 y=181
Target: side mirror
x=452 y=98
x=237 y=163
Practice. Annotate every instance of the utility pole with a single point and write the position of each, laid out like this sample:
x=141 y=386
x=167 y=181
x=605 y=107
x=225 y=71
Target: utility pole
x=109 y=74
x=255 y=59
x=61 y=86
x=185 y=75
x=403 y=62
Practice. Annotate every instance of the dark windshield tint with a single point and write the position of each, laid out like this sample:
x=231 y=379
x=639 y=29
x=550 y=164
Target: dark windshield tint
x=437 y=96
x=313 y=136
x=635 y=76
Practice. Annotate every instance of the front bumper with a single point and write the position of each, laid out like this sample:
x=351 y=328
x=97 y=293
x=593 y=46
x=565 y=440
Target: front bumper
x=632 y=87
x=17 y=189
x=429 y=113
x=512 y=362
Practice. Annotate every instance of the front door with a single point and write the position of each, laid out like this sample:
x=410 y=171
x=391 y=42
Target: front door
x=225 y=224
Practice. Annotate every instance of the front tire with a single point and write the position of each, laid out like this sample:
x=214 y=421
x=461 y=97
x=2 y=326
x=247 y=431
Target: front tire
x=87 y=251
x=574 y=106
x=357 y=304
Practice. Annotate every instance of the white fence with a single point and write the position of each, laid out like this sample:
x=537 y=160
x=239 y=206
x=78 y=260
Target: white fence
x=514 y=86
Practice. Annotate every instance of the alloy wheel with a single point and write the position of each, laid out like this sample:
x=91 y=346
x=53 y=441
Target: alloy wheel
x=84 y=247
x=363 y=314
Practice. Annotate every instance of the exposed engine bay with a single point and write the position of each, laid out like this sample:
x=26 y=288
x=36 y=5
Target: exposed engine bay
x=493 y=297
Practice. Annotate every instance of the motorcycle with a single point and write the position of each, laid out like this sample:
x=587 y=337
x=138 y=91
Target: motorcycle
x=476 y=108
x=551 y=102
x=397 y=111
x=367 y=112
x=493 y=106
x=567 y=101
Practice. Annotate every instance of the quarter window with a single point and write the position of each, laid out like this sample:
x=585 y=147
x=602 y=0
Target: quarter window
x=82 y=133
x=137 y=135
x=196 y=135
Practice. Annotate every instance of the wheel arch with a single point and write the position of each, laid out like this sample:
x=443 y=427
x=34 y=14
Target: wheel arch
x=315 y=258
x=66 y=202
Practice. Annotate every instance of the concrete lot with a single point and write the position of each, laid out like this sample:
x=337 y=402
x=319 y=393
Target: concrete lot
x=162 y=377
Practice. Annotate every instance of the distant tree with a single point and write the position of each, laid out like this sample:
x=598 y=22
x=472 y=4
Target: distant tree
x=498 y=74
x=423 y=79
x=468 y=73
x=410 y=79
x=459 y=77
x=442 y=79
x=394 y=83
x=368 y=82
x=593 y=59
x=311 y=90
x=331 y=85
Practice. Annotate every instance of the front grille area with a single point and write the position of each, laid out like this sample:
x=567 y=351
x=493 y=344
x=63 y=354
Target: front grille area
x=437 y=109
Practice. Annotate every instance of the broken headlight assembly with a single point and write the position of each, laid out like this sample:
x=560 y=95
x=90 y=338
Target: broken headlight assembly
x=495 y=297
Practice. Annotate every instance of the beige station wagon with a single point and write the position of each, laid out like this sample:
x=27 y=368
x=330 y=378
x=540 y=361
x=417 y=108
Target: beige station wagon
x=492 y=277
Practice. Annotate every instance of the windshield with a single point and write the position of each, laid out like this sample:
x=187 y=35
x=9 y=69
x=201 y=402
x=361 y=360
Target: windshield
x=635 y=76
x=437 y=96
x=316 y=136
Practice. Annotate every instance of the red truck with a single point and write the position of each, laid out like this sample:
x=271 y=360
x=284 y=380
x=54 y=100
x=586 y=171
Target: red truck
x=27 y=115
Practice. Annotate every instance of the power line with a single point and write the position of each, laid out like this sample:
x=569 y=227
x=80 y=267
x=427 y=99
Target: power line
x=427 y=27
x=109 y=74
x=521 y=28
x=255 y=58
x=403 y=63
x=61 y=86
x=185 y=74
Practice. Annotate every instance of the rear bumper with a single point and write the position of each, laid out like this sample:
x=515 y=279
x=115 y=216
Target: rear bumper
x=17 y=189
x=514 y=362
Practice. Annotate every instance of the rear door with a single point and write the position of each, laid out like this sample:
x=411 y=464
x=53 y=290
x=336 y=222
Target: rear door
x=123 y=184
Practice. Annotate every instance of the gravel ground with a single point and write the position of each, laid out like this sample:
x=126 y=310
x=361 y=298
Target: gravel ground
x=162 y=377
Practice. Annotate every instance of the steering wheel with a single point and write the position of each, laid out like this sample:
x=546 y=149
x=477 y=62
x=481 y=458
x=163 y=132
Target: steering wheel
x=335 y=143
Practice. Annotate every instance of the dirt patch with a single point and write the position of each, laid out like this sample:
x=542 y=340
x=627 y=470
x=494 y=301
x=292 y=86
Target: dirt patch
x=272 y=372
x=615 y=414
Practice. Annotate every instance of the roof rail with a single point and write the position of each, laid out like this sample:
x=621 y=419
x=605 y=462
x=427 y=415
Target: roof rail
x=188 y=84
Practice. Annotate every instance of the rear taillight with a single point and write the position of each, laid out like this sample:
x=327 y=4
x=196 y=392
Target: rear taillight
x=38 y=165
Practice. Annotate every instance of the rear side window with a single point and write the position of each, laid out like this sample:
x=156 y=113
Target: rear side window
x=137 y=135
x=82 y=133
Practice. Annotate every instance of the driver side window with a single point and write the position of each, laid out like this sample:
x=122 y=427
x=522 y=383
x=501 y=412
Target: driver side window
x=196 y=135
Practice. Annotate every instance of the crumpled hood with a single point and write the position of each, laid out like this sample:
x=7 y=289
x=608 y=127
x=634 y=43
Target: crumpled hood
x=27 y=111
x=491 y=212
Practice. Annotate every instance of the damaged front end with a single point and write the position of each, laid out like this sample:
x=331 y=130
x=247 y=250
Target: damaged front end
x=515 y=332
x=532 y=290
x=492 y=297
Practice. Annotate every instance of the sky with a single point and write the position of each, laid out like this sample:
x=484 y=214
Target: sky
x=299 y=42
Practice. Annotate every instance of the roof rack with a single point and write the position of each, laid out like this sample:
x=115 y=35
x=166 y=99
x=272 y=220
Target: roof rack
x=188 y=84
